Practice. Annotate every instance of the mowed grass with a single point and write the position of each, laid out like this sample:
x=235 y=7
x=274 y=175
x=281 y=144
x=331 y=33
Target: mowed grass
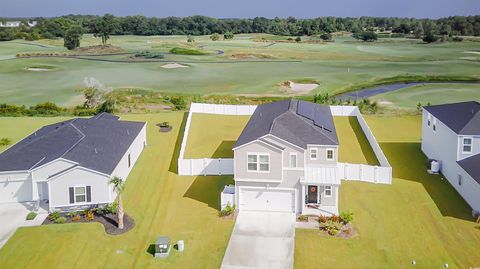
x=335 y=65
x=419 y=217
x=213 y=136
x=162 y=203
x=353 y=144
x=438 y=93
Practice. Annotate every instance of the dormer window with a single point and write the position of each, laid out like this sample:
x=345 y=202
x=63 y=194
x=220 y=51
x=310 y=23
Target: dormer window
x=467 y=145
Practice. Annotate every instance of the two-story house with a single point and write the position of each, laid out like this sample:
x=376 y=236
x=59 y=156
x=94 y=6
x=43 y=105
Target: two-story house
x=451 y=135
x=286 y=160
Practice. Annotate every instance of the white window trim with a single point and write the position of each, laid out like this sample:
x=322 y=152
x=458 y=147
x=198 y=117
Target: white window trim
x=258 y=154
x=296 y=160
x=316 y=153
x=463 y=145
x=325 y=191
x=333 y=154
x=75 y=194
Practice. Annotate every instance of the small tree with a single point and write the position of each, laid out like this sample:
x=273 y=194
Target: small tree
x=326 y=36
x=298 y=39
x=72 y=37
x=430 y=37
x=228 y=35
x=118 y=186
x=104 y=26
x=215 y=37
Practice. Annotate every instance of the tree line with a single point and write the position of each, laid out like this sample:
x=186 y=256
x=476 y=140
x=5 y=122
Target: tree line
x=201 y=25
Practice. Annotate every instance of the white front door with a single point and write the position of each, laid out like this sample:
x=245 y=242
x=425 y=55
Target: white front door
x=262 y=199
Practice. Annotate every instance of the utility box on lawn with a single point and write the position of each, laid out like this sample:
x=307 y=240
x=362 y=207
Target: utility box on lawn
x=162 y=247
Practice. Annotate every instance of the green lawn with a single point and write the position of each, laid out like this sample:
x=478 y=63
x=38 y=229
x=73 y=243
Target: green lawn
x=354 y=146
x=438 y=93
x=213 y=136
x=336 y=65
x=419 y=217
x=162 y=203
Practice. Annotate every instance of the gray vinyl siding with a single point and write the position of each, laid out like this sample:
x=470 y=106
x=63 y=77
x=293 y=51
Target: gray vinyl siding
x=443 y=145
x=329 y=201
x=288 y=150
x=240 y=157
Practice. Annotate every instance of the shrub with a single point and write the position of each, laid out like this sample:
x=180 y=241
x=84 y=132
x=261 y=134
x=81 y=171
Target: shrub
x=457 y=39
x=89 y=216
x=5 y=141
x=98 y=210
x=149 y=55
x=346 y=217
x=112 y=208
x=183 y=51
x=47 y=108
x=331 y=227
x=179 y=102
x=227 y=211
x=215 y=37
x=430 y=38
x=228 y=35
x=31 y=215
x=71 y=214
x=326 y=36
x=302 y=218
x=190 y=39
x=76 y=218
x=61 y=220
x=54 y=215
x=298 y=39
x=322 y=219
x=334 y=218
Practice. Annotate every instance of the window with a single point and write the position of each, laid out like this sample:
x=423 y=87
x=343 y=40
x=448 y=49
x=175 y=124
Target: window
x=459 y=177
x=258 y=162
x=467 y=145
x=80 y=194
x=429 y=118
x=293 y=160
x=129 y=162
x=252 y=163
x=313 y=153
x=434 y=124
x=329 y=154
x=328 y=191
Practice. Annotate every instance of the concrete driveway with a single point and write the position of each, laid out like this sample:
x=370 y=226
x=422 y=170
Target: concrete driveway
x=12 y=216
x=261 y=240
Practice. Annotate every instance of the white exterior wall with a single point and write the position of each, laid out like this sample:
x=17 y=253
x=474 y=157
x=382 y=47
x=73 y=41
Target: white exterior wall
x=79 y=176
x=444 y=145
x=15 y=187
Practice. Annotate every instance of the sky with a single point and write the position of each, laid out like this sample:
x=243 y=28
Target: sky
x=242 y=8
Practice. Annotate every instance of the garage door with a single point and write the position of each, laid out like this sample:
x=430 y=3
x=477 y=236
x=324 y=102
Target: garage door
x=261 y=199
x=15 y=191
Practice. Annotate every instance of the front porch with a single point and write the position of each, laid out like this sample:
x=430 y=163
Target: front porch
x=320 y=191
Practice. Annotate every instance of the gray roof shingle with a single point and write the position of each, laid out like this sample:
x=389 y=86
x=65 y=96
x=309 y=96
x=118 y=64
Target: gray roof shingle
x=471 y=165
x=463 y=118
x=97 y=143
x=298 y=122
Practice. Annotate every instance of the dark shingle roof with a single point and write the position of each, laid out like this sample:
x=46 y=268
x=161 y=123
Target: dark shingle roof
x=471 y=165
x=298 y=122
x=463 y=118
x=97 y=143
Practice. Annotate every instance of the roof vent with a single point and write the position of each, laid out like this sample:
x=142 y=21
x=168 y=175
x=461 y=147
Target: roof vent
x=128 y=132
x=96 y=151
x=35 y=133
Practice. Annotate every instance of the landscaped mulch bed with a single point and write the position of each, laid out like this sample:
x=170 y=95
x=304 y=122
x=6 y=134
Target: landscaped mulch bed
x=109 y=222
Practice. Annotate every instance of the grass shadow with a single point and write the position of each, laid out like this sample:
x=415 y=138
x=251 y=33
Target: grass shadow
x=224 y=150
x=178 y=144
x=207 y=189
x=151 y=249
x=409 y=163
x=367 y=150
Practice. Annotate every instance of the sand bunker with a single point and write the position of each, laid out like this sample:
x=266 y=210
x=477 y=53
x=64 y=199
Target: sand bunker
x=302 y=87
x=38 y=69
x=171 y=66
x=384 y=103
x=472 y=52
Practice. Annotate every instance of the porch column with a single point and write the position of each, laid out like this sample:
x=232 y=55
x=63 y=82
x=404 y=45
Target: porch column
x=303 y=197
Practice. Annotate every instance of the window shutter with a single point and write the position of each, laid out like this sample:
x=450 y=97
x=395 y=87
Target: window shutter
x=89 y=193
x=72 y=199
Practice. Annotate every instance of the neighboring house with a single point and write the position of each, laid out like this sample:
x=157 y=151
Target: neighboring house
x=10 y=24
x=69 y=164
x=451 y=135
x=286 y=160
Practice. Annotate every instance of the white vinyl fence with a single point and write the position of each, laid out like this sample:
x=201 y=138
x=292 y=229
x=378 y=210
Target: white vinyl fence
x=221 y=166
x=208 y=166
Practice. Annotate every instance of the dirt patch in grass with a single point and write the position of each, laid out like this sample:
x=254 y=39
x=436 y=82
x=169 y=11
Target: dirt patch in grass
x=99 y=49
x=109 y=222
x=250 y=56
x=173 y=66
